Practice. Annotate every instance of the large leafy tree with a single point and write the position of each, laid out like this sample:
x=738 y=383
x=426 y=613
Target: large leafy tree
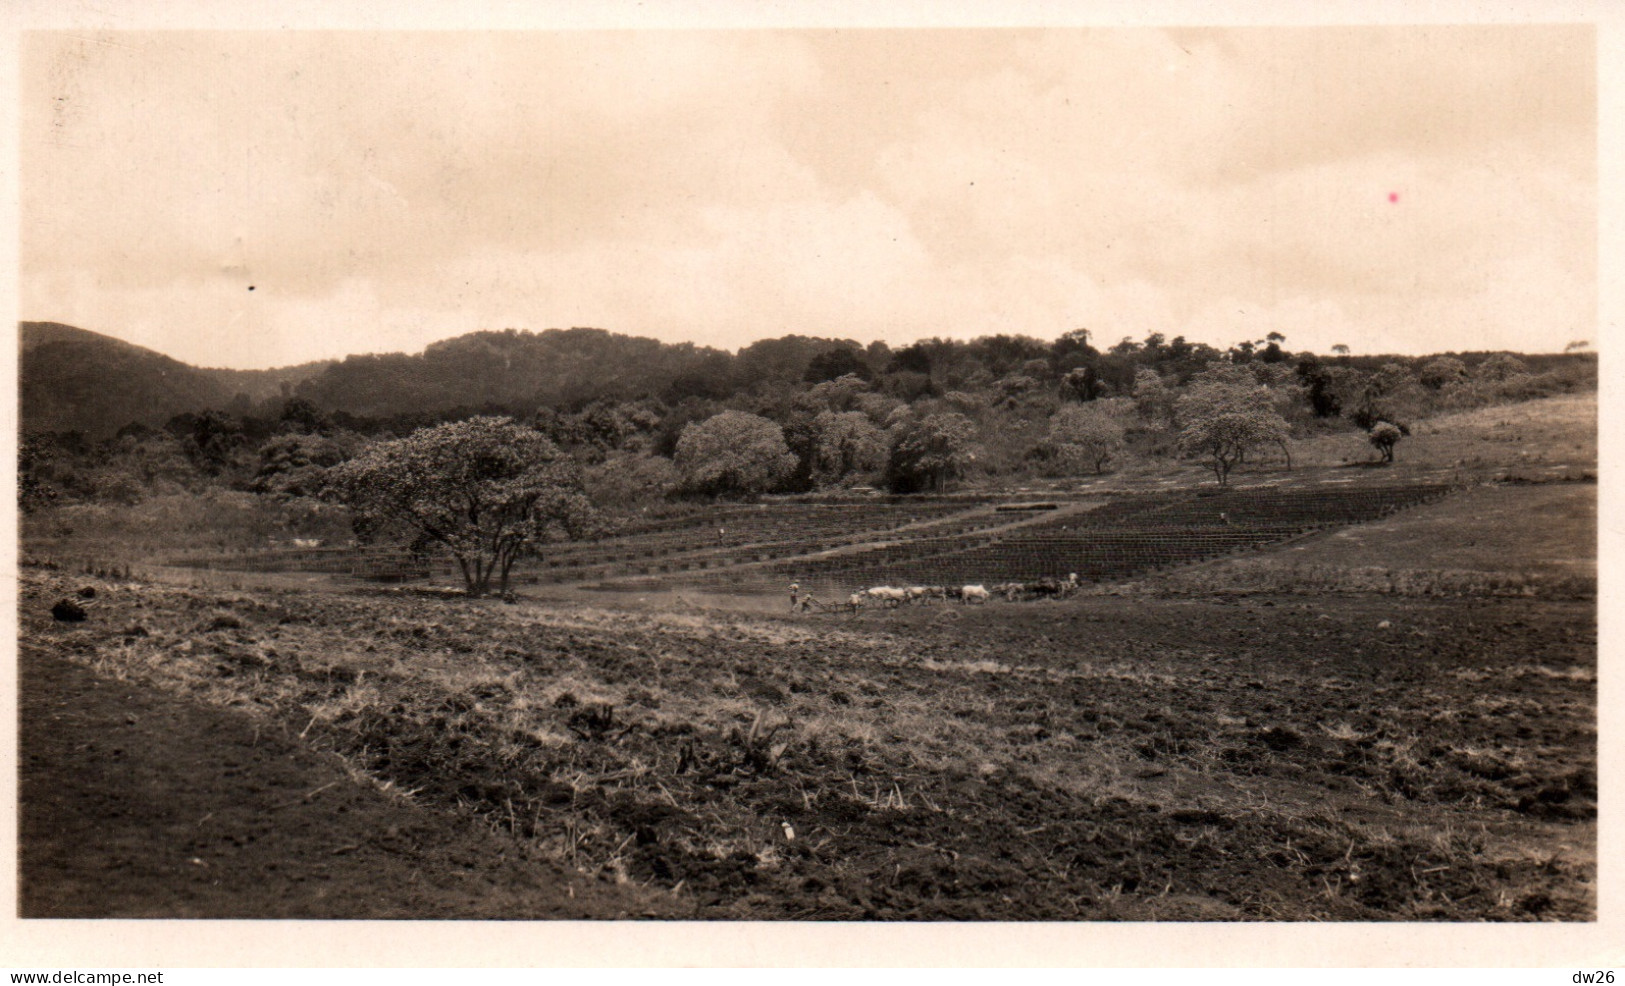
x=486 y=489
x=1223 y=421
x=1500 y=368
x=1084 y=434
x=33 y=491
x=211 y=439
x=846 y=443
x=927 y=452
x=1153 y=398
x=733 y=452
x=1082 y=383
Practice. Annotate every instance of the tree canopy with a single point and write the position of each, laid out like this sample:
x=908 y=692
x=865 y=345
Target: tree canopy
x=733 y=452
x=927 y=452
x=846 y=443
x=1383 y=437
x=486 y=489
x=1081 y=434
x=1223 y=421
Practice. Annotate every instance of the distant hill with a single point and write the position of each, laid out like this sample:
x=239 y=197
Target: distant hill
x=76 y=380
x=72 y=379
x=522 y=370
x=36 y=334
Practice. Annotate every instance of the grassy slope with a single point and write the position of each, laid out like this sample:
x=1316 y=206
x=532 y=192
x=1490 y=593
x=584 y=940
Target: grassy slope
x=1551 y=436
x=1540 y=439
x=1549 y=529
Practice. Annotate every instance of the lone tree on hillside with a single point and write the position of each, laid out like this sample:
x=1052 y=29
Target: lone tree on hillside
x=733 y=452
x=486 y=489
x=1224 y=421
x=1384 y=436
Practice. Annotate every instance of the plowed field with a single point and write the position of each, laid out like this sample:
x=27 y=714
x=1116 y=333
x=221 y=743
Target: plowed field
x=1350 y=756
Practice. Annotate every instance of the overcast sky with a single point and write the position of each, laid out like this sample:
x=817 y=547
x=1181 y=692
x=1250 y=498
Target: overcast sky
x=259 y=199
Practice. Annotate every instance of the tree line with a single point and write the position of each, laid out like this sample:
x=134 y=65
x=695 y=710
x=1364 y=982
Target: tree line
x=814 y=415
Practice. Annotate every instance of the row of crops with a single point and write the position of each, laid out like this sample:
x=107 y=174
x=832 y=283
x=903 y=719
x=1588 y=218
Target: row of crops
x=1129 y=536
x=716 y=537
x=918 y=542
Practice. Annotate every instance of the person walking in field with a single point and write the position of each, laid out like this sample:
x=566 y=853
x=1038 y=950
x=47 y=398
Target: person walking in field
x=795 y=595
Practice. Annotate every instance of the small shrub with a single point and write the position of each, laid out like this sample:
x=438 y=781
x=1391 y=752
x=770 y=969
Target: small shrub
x=1383 y=437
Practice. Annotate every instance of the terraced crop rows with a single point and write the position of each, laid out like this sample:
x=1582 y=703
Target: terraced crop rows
x=1127 y=537
x=714 y=538
x=765 y=547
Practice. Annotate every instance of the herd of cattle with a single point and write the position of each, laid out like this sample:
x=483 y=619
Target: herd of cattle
x=892 y=597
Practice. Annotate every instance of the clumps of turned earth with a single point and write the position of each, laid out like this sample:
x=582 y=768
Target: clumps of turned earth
x=1242 y=757
x=65 y=610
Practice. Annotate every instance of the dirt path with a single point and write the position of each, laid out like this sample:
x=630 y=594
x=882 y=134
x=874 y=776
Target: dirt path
x=137 y=804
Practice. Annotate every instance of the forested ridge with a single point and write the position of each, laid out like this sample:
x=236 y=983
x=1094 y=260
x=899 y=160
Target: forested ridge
x=644 y=422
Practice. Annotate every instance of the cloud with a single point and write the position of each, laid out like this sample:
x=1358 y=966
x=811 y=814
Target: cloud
x=383 y=190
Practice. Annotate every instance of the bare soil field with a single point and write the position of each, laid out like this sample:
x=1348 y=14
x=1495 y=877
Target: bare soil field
x=177 y=809
x=1353 y=756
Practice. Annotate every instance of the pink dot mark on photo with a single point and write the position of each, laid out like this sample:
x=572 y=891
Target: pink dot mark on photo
x=1393 y=196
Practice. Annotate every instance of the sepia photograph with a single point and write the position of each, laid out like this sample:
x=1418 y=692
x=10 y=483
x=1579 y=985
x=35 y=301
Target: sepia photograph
x=895 y=475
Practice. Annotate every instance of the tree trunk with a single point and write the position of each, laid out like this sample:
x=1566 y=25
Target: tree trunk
x=481 y=584
x=1286 y=452
x=507 y=566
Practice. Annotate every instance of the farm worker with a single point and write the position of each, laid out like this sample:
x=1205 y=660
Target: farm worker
x=795 y=592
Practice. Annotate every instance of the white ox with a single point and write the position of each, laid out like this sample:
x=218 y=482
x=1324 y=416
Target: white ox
x=887 y=595
x=975 y=593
